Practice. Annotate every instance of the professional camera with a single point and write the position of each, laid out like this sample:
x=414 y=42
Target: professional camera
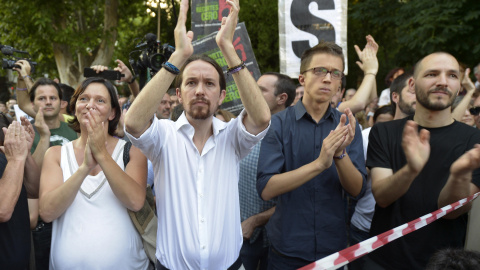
x=148 y=56
x=9 y=62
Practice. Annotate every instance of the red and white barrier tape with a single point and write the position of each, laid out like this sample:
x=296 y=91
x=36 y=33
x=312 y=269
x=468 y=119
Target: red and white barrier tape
x=349 y=254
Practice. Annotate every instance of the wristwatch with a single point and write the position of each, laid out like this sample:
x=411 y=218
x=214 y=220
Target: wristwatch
x=341 y=156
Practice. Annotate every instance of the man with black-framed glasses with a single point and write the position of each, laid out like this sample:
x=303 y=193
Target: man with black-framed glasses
x=309 y=158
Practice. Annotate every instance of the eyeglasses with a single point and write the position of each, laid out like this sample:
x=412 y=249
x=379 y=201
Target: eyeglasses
x=474 y=110
x=322 y=72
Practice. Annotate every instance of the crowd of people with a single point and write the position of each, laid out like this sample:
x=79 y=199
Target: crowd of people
x=302 y=172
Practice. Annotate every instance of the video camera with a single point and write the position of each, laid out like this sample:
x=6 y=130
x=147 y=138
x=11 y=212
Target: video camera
x=9 y=62
x=148 y=56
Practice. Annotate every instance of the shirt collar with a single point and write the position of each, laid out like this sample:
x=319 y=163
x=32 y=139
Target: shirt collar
x=182 y=121
x=300 y=111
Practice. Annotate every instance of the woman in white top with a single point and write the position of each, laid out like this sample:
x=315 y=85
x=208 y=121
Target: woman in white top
x=86 y=191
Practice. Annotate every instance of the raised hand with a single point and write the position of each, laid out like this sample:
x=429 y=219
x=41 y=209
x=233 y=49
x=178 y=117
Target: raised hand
x=416 y=146
x=40 y=124
x=350 y=130
x=15 y=144
x=122 y=68
x=29 y=132
x=225 y=35
x=467 y=82
x=183 y=39
x=99 y=68
x=368 y=57
x=24 y=69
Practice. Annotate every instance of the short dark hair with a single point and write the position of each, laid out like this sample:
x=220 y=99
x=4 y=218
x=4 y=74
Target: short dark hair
x=205 y=58
x=112 y=124
x=399 y=83
x=387 y=109
x=285 y=85
x=322 y=47
x=44 y=81
x=457 y=259
x=67 y=92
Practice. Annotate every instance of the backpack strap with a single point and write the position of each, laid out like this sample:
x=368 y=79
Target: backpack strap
x=126 y=153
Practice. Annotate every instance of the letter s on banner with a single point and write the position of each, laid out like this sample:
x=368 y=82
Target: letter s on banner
x=303 y=23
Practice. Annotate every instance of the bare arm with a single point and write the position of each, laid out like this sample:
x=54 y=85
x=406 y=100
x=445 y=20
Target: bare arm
x=15 y=150
x=260 y=219
x=55 y=194
x=459 y=184
x=368 y=88
x=258 y=113
x=33 y=212
x=138 y=117
x=387 y=186
x=467 y=83
x=23 y=98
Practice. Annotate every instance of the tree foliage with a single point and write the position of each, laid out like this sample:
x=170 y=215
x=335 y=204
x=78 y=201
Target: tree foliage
x=406 y=30
x=410 y=29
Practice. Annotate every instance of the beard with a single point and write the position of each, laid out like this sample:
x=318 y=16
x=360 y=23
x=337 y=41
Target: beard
x=434 y=105
x=406 y=108
x=199 y=112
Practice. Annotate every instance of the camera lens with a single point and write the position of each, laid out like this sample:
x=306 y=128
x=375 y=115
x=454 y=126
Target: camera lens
x=156 y=61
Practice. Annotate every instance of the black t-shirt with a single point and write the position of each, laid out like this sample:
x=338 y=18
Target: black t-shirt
x=15 y=233
x=385 y=150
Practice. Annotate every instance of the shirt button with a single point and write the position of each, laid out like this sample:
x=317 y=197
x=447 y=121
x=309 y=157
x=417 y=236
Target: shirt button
x=203 y=247
x=201 y=195
x=202 y=220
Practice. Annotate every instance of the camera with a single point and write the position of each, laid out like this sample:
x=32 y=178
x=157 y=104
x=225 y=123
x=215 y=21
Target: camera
x=11 y=58
x=148 y=57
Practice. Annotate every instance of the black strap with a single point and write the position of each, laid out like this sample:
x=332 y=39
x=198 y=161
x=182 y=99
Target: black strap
x=126 y=153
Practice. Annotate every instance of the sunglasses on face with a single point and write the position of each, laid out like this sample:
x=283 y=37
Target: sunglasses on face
x=474 y=110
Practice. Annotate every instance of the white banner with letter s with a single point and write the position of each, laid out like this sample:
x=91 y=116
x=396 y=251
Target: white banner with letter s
x=304 y=23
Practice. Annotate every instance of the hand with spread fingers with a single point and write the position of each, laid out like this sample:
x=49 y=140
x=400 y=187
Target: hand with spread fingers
x=183 y=39
x=225 y=35
x=15 y=143
x=368 y=57
x=416 y=146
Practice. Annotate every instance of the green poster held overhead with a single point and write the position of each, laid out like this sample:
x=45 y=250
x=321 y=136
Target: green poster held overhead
x=207 y=45
x=207 y=16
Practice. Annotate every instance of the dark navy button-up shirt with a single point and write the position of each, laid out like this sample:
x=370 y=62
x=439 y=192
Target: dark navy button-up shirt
x=309 y=222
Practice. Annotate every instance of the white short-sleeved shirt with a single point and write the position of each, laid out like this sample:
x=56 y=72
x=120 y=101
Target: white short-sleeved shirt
x=197 y=194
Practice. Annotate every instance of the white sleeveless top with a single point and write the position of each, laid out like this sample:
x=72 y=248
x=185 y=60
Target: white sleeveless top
x=95 y=232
